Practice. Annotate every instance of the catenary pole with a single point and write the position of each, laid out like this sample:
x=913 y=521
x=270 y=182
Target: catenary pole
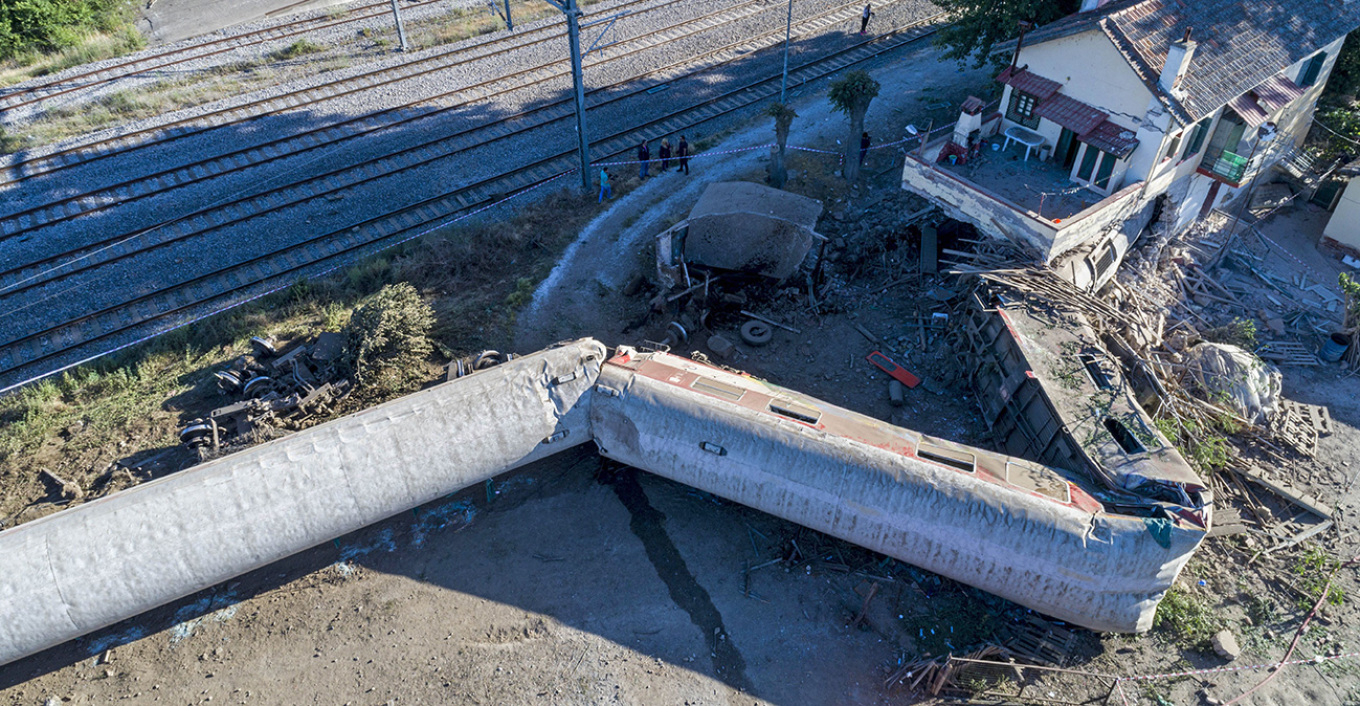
x=574 y=36
x=788 y=28
x=401 y=31
x=509 y=23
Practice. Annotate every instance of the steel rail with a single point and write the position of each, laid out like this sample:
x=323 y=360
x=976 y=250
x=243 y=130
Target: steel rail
x=372 y=235
x=74 y=206
x=23 y=169
x=30 y=275
x=131 y=68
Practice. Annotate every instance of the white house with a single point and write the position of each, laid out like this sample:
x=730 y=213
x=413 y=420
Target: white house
x=1129 y=101
x=1343 y=227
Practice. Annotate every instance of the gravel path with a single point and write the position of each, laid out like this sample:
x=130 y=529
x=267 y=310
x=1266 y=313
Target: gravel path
x=70 y=298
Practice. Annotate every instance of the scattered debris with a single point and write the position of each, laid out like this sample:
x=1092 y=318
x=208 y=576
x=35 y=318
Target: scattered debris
x=1229 y=374
x=277 y=386
x=1225 y=644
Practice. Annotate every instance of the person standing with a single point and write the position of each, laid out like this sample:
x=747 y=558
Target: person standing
x=606 y=191
x=864 y=17
x=863 y=147
x=665 y=154
x=682 y=155
x=644 y=155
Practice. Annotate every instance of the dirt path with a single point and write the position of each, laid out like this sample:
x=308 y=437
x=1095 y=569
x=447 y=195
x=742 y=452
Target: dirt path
x=165 y=21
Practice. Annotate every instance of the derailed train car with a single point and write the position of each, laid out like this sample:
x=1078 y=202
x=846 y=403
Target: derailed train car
x=1023 y=531
x=1017 y=529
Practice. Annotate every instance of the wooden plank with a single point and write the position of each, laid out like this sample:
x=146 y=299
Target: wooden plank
x=1285 y=491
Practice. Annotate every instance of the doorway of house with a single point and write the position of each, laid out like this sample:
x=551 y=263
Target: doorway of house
x=1209 y=198
x=1066 y=153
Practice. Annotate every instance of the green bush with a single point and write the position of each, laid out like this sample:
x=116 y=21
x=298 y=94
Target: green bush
x=53 y=25
x=388 y=338
x=1187 y=618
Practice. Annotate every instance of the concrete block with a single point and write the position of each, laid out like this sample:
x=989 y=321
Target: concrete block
x=721 y=347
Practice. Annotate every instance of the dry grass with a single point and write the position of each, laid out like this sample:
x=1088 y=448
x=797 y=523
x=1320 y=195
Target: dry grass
x=475 y=277
x=94 y=46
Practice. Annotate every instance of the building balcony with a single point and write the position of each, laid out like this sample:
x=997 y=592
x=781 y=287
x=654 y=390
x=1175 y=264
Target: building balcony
x=1004 y=195
x=1227 y=167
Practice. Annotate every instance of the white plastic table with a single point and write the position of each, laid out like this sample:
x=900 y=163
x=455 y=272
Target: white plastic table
x=1029 y=138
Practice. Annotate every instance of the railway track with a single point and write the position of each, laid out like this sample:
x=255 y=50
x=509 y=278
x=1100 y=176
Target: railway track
x=32 y=95
x=18 y=169
x=21 y=223
x=151 y=312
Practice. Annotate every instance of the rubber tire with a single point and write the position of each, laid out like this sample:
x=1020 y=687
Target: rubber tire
x=757 y=333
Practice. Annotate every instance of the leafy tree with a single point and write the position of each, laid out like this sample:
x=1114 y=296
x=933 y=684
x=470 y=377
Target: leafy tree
x=783 y=119
x=1345 y=79
x=851 y=94
x=979 y=25
x=50 y=25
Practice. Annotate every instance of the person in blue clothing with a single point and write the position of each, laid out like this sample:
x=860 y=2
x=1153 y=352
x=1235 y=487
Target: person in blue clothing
x=606 y=191
x=644 y=155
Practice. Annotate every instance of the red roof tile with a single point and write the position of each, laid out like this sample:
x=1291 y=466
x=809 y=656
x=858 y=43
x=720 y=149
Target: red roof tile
x=1022 y=80
x=1111 y=137
x=1276 y=93
x=1070 y=113
x=1249 y=110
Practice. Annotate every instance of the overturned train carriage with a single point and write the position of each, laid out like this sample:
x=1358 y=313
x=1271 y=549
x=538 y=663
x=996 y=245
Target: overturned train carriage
x=1011 y=527
x=1052 y=392
x=1008 y=526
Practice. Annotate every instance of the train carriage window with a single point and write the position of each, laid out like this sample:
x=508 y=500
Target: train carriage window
x=795 y=410
x=719 y=389
x=1124 y=437
x=954 y=459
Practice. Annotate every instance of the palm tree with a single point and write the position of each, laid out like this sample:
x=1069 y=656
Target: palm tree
x=783 y=118
x=850 y=94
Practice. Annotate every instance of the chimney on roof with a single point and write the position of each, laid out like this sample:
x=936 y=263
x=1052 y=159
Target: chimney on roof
x=1178 y=57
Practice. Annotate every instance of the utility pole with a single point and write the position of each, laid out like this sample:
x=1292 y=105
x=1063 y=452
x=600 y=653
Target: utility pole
x=509 y=23
x=401 y=31
x=784 y=80
x=569 y=8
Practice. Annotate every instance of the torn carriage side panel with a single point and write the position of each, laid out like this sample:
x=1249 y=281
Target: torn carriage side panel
x=1053 y=394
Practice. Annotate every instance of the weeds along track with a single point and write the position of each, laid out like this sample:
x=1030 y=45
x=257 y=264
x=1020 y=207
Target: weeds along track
x=36 y=93
x=328 y=136
x=21 y=168
x=153 y=308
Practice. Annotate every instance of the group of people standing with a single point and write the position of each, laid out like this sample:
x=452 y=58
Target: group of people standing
x=644 y=158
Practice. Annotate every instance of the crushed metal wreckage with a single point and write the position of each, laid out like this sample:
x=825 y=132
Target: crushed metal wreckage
x=1031 y=533
x=1051 y=392
x=293 y=384
x=739 y=227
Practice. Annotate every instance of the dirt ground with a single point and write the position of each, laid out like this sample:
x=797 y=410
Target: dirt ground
x=572 y=582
